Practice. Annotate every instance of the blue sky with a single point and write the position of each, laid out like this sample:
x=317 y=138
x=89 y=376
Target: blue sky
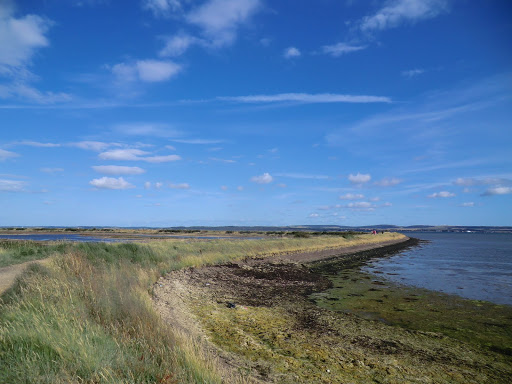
x=255 y=112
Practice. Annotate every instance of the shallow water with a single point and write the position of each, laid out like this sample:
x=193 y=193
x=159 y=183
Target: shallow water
x=61 y=237
x=472 y=265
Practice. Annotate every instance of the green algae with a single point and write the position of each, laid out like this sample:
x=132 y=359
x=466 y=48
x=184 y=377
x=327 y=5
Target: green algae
x=363 y=329
x=369 y=296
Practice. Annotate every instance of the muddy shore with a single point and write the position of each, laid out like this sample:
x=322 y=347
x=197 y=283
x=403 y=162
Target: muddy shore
x=255 y=316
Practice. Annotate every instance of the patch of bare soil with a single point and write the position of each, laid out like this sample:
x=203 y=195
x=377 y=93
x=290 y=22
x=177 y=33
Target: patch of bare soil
x=9 y=274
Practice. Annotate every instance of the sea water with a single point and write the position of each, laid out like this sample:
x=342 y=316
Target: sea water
x=472 y=265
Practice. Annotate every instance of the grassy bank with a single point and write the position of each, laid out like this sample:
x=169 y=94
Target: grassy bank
x=86 y=316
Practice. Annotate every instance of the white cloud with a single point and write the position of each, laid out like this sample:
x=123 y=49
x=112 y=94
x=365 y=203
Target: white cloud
x=147 y=185
x=498 y=191
x=313 y=215
x=307 y=98
x=471 y=181
x=469 y=204
x=339 y=49
x=179 y=186
x=7 y=185
x=351 y=196
x=263 y=179
x=291 y=52
x=398 y=12
x=412 y=72
x=443 y=194
x=118 y=170
x=96 y=146
x=170 y=147
x=359 y=178
x=388 y=182
x=23 y=91
x=161 y=159
x=38 y=144
x=240 y=188
x=159 y=185
x=145 y=70
x=162 y=7
x=7 y=154
x=177 y=45
x=219 y=19
x=282 y=185
x=111 y=183
x=20 y=38
x=154 y=70
x=361 y=206
x=123 y=154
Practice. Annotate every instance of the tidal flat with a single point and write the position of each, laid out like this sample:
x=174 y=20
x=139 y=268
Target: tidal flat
x=329 y=322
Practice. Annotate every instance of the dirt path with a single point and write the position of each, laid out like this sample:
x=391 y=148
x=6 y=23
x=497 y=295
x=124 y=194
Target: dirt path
x=308 y=257
x=9 y=274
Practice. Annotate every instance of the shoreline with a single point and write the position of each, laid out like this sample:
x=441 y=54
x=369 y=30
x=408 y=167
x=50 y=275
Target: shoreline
x=256 y=317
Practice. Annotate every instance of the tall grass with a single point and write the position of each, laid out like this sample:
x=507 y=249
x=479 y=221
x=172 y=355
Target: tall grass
x=87 y=317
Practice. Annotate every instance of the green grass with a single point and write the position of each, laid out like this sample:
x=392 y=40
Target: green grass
x=20 y=251
x=87 y=317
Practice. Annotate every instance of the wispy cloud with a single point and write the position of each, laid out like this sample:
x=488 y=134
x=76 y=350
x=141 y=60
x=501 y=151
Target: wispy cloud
x=96 y=146
x=352 y=196
x=7 y=185
x=162 y=8
x=226 y=161
x=220 y=19
x=340 y=49
x=198 y=141
x=302 y=176
x=123 y=154
x=307 y=98
x=52 y=170
x=412 y=73
x=442 y=194
x=266 y=178
x=118 y=170
x=177 y=45
x=179 y=186
x=20 y=37
x=498 y=191
x=388 y=182
x=146 y=129
x=38 y=144
x=473 y=181
x=111 y=183
x=360 y=178
x=399 y=12
x=291 y=52
x=149 y=71
x=468 y=204
x=161 y=159
x=7 y=154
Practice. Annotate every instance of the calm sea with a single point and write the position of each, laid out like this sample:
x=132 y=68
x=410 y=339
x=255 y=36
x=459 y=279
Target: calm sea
x=473 y=265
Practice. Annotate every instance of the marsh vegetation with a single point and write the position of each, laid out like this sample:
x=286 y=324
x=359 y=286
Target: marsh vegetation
x=86 y=316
